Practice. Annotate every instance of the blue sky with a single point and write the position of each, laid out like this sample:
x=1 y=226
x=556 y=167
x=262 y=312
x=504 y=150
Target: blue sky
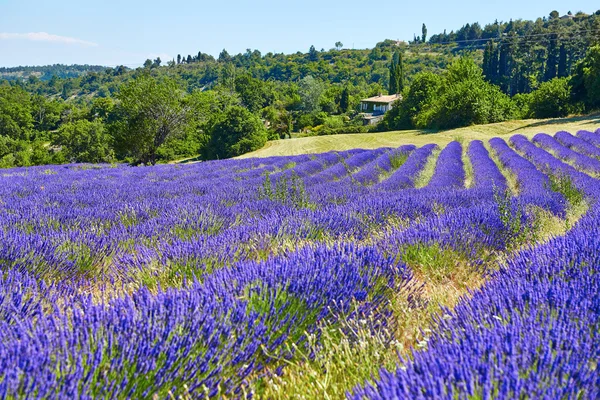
x=111 y=32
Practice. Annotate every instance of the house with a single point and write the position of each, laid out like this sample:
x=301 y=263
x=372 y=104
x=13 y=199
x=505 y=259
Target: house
x=373 y=108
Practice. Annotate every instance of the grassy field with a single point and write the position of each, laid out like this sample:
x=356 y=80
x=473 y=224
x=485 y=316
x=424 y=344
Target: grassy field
x=320 y=144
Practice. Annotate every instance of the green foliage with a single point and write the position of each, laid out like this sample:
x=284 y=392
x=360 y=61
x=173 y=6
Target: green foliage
x=564 y=185
x=85 y=141
x=470 y=102
x=517 y=230
x=460 y=97
x=586 y=79
x=149 y=112
x=310 y=91
x=16 y=120
x=286 y=190
x=253 y=93
x=421 y=94
x=237 y=131
x=551 y=99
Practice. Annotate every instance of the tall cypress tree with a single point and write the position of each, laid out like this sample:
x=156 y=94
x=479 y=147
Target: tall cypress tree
x=393 y=88
x=396 y=74
x=562 y=62
x=503 y=67
x=487 y=60
x=400 y=73
x=494 y=63
x=345 y=100
x=552 y=59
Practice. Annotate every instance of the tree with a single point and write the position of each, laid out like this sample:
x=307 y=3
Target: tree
x=345 y=100
x=586 y=79
x=552 y=60
x=406 y=113
x=236 y=132
x=148 y=63
x=400 y=72
x=468 y=99
x=46 y=113
x=424 y=32
x=178 y=58
x=396 y=74
x=150 y=112
x=338 y=45
x=562 y=62
x=84 y=141
x=224 y=56
x=310 y=90
x=252 y=92
x=16 y=120
x=551 y=99
x=554 y=15
x=313 y=54
x=157 y=62
x=488 y=53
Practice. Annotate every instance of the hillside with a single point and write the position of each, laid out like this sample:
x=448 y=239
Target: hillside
x=320 y=144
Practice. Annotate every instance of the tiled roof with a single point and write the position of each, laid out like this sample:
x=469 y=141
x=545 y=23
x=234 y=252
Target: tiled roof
x=383 y=99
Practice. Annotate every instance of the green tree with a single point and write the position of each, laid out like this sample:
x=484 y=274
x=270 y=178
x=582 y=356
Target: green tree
x=85 y=141
x=551 y=99
x=471 y=102
x=224 y=56
x=345 y=100
x=313 y=54
x=338 y=45
x=149 y=112
x=396 y=74
x=409 y=112
x=553 y=56
x=16 y=120
x=586 y=79
x=562 y=62
x=253 y=93
x=236 y=132
x=424 y=32
x=310 y=90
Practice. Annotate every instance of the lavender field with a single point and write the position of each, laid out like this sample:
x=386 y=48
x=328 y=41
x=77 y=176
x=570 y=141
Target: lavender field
x=469 y=271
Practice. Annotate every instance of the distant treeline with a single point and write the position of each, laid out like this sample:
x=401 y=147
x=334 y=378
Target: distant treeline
x=199 y=105
x=46 y=72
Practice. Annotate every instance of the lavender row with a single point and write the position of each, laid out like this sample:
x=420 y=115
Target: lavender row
x=370 y=173
x=533 y=185
x=449 y=171
x=531 y=331
x=404 y=176
x=590 y=137
x=564 y=153
x=577 y=144
x=486 y=174
x=209 y=337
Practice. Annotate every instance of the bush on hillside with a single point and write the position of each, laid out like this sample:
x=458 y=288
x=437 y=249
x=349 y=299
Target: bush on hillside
x=237 y=131
x=552 y=99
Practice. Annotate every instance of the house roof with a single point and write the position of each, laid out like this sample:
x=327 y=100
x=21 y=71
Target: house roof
x=383 y=99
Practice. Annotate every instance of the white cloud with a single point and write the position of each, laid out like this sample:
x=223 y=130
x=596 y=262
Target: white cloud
x=46 y=37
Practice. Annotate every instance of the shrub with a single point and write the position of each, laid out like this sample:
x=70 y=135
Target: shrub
x=237 y=131
x=551 y=99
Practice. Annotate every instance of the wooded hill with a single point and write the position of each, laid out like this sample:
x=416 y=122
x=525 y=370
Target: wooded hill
x=476 y=75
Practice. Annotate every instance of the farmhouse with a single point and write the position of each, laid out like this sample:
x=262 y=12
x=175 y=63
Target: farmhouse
x=374 y=108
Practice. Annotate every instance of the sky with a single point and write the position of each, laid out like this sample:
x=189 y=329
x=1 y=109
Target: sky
x=127 y=32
